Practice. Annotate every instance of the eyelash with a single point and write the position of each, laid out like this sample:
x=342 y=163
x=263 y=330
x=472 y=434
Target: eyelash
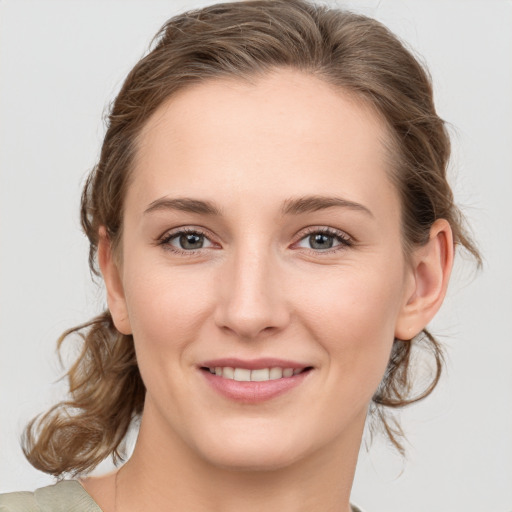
x=344 y=240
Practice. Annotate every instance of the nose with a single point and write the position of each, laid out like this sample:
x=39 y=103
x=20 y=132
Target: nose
x=251 y=298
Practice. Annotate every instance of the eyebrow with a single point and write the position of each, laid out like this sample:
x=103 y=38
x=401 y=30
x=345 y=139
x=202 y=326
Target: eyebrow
x=184 y=204
x=314 y=203
x=293 y=206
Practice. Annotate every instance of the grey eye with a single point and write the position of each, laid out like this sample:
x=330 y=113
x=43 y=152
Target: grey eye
x=191 y=241
x=321 y=241
x=188 y=241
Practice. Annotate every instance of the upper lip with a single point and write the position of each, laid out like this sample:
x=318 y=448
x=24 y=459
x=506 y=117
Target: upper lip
x=253 y=364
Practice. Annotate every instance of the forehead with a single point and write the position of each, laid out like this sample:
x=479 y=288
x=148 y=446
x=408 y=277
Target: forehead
x=286 y=132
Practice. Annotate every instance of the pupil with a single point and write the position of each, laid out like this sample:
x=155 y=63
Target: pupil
x=321 y=241
x=191 y=241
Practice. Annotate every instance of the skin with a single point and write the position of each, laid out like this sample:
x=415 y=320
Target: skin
x=259 y=288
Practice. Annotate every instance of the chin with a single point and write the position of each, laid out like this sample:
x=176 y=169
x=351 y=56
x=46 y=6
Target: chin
x=251 y=460
x=244 y=451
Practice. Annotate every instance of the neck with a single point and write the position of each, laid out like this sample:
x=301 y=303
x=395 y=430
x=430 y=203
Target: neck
x=165 y=474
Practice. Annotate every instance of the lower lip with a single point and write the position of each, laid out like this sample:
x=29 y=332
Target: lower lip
x=253 y=392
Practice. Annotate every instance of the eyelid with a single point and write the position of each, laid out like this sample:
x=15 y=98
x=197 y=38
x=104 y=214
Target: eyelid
x=186 y=228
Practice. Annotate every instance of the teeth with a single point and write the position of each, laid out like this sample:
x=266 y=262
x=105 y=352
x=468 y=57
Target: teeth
x=259 y=375
x=242 y=374
x=275 y=373
x=228 y=373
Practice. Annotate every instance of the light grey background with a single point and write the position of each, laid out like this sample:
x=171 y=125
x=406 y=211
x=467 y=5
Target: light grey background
x=60 y=64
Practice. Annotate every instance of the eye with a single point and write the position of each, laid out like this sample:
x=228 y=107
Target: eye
x=186 y=240
x=325 y=239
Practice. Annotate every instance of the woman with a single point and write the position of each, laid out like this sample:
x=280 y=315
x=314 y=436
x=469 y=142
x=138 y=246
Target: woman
x=271 y=217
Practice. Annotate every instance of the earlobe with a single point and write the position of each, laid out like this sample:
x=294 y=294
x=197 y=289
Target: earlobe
x=113 y=283
x=431 y=269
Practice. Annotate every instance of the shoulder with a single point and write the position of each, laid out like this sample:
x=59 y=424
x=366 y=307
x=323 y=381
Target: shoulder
x=18 y=501
x=64 y=496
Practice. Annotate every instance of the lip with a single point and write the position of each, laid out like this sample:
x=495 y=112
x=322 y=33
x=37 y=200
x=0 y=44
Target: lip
x=253 y=392
x=254 y=364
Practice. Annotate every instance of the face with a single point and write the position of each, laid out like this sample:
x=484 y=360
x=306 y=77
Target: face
x=261 y=237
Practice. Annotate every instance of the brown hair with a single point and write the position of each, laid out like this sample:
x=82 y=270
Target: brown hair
x=242 y=40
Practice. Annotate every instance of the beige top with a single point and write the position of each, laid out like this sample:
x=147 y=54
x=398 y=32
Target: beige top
x=64 y=496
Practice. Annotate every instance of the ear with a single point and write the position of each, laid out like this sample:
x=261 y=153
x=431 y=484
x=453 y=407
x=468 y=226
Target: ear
x=113 y=283
x=431 y=266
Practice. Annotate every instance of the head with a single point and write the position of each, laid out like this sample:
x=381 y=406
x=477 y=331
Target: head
x=313 y=102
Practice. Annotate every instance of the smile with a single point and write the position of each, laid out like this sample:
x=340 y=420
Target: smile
x=253 y=381
x=258 y=375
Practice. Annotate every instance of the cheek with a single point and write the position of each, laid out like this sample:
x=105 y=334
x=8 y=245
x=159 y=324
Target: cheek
x=353 y=318
x=166 y=309
x=167 y=300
